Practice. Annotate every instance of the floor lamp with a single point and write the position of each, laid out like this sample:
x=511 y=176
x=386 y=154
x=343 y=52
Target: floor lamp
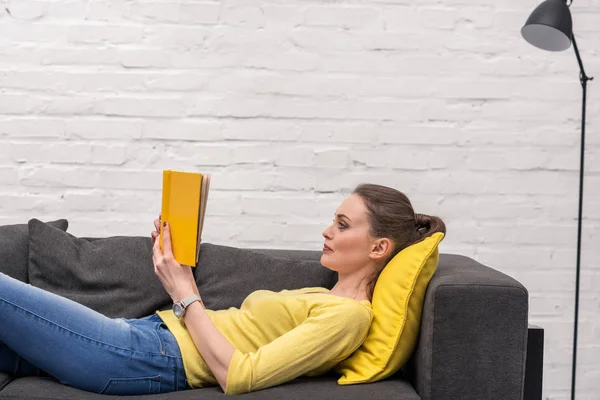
x=550 y=27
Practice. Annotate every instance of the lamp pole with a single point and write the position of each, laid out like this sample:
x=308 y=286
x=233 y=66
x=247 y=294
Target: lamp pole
x=550 y=27
x=583 y=79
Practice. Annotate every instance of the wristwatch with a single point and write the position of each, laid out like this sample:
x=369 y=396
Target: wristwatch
x=179 y=307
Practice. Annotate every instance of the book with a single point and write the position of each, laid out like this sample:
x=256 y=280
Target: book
x=184 y=199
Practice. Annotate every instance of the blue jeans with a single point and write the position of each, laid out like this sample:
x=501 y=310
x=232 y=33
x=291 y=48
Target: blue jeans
x=45 y=334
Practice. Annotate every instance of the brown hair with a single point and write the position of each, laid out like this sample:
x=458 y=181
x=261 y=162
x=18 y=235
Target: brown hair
x=391 y=215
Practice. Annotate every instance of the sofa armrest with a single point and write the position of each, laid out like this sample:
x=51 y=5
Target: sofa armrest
x=473 y=339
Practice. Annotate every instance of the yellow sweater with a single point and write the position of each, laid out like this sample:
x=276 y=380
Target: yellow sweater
x=278 y=336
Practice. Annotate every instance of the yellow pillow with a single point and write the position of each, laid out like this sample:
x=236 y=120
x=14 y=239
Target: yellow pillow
x=397 y=307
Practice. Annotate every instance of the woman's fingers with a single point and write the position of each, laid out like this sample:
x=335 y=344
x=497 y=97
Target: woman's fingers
x=167 y=249
x=157 y=225
x=156 y=252
x=154 y=235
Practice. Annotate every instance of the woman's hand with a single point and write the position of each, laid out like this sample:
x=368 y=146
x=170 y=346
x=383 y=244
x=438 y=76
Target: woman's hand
x=155 y=234
x=177 y=279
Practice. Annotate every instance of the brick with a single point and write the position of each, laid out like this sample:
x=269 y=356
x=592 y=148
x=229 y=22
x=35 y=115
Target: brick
x=200 y=13
x=377 y=158
x=138 y=106
x=309 y=233
x=57 y=177
x=458 y=89
x=27 y=10
x=108 y=154
x=159 y=11
x=225 y=39
x=280 y=206
x=339 y=132
x=103 y=128
x=55 y=153
x=8 y=175
x=108 y=82
x=177 y=82
x=295 y=157
x=400 y=18
x=97 y=34
x=92 y=200
x=476 y=17
x=144 y=58
x=188 y=129
x=79 y=56
x=243 y=231
x=301 y=181
x=254 y=154
x=351 y=41
x=398 y=133
x=223 y=204
x=522 y=159
x=260 y=130
x=334 y=158
x=67 y=10
x=18 y=104
x=350 y=17
x=130 y=179
x=243 y=180
x=37 y=33
x=106 y=10
x=250 y=17
x=321 y=86
x=28 y=127
x=79 y=104
x=203 y=154
x=282 y=16
x=31 y=203
x=438 y=18
x=288 y=62
x=175 y=36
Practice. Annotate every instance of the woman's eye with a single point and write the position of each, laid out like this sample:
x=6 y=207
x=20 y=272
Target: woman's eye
x=341 y=225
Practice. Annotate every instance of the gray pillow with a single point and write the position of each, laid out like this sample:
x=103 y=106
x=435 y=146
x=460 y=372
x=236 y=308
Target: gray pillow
x=227 y=275
x=113 y=275
x=14 y=248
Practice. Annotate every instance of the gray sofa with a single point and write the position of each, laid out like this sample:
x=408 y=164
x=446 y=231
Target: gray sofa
x=472 y=343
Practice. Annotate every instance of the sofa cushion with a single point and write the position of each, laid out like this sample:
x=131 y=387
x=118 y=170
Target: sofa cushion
x=227 y=275
x=314 y=388
x=14 y=248
x=397 y=307
x=113 y=275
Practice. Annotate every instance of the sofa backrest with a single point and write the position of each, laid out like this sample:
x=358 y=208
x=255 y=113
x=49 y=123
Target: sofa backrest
x=14 y=248
x=227 y=275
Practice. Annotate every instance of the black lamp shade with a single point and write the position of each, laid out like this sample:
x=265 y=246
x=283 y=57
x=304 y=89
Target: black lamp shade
x=549 y=26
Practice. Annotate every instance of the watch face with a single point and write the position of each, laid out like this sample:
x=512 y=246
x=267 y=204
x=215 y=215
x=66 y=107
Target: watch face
x=178 y=310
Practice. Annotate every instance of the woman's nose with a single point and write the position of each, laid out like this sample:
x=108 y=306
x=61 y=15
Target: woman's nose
x=326 y=233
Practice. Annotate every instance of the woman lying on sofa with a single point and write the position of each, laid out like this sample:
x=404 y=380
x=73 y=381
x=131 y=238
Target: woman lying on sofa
x=274 y=337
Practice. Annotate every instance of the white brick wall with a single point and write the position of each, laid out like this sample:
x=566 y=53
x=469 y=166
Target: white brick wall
x=290 y=105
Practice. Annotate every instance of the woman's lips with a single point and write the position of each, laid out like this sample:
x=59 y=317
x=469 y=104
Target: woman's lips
x=326 y=248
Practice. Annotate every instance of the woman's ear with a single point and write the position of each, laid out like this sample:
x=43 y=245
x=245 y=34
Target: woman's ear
x=380 y=249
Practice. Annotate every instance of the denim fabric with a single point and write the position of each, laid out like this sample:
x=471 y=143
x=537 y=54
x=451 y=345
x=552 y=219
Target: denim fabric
x=42 y=333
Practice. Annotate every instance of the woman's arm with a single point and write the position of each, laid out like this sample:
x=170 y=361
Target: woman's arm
x=214 y=348
x=179 y=282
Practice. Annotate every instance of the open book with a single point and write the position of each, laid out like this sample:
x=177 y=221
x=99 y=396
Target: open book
x=184 y=198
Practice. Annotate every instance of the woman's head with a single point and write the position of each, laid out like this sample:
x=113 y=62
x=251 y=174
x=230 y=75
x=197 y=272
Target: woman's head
x=370 y=227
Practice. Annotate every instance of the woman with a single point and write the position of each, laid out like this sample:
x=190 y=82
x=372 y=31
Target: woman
x=272 y=338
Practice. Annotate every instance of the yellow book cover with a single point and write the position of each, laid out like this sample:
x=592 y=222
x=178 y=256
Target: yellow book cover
x=184 y=198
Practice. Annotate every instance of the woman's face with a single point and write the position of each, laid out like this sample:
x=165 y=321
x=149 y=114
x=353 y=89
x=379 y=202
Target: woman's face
x=347 y=240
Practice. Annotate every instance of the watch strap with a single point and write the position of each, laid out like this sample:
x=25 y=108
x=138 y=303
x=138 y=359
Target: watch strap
x=189 y=300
